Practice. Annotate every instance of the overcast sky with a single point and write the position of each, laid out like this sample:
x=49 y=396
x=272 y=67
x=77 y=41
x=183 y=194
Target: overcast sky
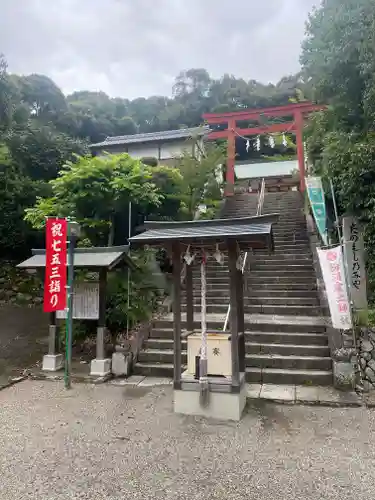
x=134 y=48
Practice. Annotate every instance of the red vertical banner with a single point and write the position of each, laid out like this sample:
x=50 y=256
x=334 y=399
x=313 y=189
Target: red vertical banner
x=56 y=261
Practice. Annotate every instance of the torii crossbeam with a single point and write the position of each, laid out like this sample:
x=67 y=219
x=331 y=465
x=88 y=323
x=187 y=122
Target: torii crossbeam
x=297 y=111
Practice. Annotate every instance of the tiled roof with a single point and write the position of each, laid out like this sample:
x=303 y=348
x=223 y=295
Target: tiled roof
x=107 y=257
x=246 y=229
x=166 y=135
x=180 y=233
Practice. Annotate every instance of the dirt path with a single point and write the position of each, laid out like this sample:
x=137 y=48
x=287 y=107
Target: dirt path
x=23 y=339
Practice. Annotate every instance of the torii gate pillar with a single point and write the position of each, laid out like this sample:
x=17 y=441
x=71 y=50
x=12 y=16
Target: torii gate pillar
x=297 y=111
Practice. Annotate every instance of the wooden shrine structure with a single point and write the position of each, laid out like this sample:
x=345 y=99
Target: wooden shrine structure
x=201 y=240
x=293 y=121
x=97 y=260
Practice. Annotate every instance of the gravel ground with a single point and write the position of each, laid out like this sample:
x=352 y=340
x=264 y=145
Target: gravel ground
x=106 y=442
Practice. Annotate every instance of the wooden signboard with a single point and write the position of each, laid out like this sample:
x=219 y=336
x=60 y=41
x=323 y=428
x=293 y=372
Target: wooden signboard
x=85 y=302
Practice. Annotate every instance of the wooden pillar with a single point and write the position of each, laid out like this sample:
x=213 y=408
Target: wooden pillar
x=176 y=259
x=300 y=148
x=233 y=319
x=53 y=338
x=231 y=158
x=189 y=298
x=241 y=320
x=100 y=354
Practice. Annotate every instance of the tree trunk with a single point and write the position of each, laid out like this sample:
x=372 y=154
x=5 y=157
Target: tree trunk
x=111 y=234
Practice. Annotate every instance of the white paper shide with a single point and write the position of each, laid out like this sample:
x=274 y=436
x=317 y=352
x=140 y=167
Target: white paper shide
x=332 y=265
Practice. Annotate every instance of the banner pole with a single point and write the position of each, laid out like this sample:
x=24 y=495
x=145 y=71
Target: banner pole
x=335 y=210
x=69 y=316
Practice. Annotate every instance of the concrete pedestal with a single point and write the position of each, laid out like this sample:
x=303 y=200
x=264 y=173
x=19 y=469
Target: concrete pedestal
x=121 y=364
x=343 y=375
x=52 y=362
x=221 y=405
x=100 y=367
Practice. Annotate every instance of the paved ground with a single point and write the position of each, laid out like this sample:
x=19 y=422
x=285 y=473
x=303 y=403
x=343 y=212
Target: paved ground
x=103 y=442
x=289 y=394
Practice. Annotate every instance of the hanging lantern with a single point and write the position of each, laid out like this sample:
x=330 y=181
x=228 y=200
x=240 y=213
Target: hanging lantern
x=247 y=145
x=257 y=143
x=285 y=142
x=271 y=141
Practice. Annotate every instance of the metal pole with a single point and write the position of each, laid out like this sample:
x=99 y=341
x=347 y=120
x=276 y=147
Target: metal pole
x=69 y=316
x=128 y=303
x=335 y=209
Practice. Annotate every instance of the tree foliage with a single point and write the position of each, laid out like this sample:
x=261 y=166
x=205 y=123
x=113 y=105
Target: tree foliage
x=96 y=191
x=338 y=59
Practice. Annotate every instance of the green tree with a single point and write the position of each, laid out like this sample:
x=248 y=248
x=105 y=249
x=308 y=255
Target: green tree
x=200 y=179
x=338 y=62
x=6 y=105
x=41 y=151
x=95 y=191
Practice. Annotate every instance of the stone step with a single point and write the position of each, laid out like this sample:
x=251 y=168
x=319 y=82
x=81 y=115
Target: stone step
x=290 y=240
x=286 y=324
x=160 y=356
x=291 y=310
x=163 y=343
x=256 y=278
x=269 y=284
x=261 y=338
x=290 y=248
x=283 y=338
x=282 y=268
x=288 y=349
x=154 y=369
x=265 y=293
x=282 y=301
x=288 y=362
x=263 y=300
x=278 y=258
x=162 y=332
x=212 y=283
x=282 y=376
x=257 y=323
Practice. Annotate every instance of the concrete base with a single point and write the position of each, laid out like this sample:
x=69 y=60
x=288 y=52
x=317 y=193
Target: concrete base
x=52 y=362
x=221 y=405
x=100 y=367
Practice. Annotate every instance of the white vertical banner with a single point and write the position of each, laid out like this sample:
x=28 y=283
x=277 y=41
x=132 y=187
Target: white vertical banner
x=332 y=265
x=354 y=253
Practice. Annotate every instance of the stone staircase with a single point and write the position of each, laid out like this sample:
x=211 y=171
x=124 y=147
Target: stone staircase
x=286 y=341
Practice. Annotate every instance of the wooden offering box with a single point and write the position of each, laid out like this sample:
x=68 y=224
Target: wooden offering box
x=219 y=355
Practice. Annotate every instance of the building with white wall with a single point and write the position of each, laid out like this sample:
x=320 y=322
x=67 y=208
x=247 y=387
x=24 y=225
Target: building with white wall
x=164 y=146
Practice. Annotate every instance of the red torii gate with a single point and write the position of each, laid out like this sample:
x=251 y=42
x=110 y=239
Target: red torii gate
x=297 y=111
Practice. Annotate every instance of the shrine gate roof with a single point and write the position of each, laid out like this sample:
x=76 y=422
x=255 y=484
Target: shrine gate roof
x=253 y=232
x=88 y=258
